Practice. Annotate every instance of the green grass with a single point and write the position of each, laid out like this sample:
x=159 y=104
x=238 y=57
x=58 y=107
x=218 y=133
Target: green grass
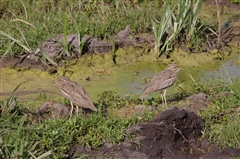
x=32 y=22
x=26 y=25
x=24 y=135
x=222 y=116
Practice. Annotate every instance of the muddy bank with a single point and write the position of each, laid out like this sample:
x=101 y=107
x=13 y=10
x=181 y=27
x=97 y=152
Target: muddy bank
x=127 y=49
x=71 y=47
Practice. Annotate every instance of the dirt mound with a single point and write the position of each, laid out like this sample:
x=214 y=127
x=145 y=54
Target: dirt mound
x=173 y=134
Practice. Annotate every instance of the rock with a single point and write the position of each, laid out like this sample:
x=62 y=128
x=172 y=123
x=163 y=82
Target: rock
x=222 y=94
x=53 y=110
x=99 y=47
x=53 y=47
x=125 y=33
x=198 y=101
x=140 y=109
x=31 y=57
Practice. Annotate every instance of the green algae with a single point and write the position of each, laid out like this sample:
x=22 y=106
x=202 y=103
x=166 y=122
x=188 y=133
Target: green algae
x=124 y=71
x=98 y=73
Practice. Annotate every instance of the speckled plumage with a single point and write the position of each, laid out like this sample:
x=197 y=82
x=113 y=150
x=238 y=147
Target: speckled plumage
x=75 y=93
x=162 y=80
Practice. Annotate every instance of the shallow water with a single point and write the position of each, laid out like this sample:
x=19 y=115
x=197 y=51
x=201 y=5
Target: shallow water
x=129 y=80
x=228 y=71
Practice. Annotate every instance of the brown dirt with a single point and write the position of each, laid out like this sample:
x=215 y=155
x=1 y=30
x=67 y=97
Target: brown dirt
x=53 y=110
x=24 y=62
x=172 y=134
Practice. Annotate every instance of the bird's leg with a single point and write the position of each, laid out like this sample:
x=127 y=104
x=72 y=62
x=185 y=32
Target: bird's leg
x=164 y=95
x=71 y=110
x=81 y=111
x=77 y=110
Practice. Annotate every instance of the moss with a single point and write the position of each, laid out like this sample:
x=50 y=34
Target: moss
x=98 y=73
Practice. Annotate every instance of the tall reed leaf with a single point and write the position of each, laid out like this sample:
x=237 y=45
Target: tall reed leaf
x=65 y=43
x=161 y=28
x=177 y=23
x=11 y=101
x=16 y=41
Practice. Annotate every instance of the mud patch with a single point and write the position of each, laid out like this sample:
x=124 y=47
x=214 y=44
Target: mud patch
x=171 y=134
x=25 y=62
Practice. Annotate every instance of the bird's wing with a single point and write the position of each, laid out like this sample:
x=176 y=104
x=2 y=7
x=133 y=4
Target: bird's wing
x=163 y=75
x=161 y=81
x=78 y=95
x=85 y=99
x=67 y=90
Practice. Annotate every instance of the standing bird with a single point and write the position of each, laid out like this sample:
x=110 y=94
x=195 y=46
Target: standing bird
x=75 y=93
x=162 y=80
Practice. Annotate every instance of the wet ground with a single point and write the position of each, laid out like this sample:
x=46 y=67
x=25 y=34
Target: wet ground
x=125 y=70
x=172 y=134
x=127 y=80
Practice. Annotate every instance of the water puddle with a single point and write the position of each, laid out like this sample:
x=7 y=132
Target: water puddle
x=130 y=80
x=228 y=71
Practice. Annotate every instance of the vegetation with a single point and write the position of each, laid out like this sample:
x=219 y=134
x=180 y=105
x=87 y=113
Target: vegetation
x=235 y=1
x=25 y=25
x=24 y=135
x=32 y=22
x=179 y=23
x=223 y=115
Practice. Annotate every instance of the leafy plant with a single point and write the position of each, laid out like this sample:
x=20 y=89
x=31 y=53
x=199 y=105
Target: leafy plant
x=26 y=47
x=40 y=20
x=65 y=41
x=176 y=24
x=160 y=30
